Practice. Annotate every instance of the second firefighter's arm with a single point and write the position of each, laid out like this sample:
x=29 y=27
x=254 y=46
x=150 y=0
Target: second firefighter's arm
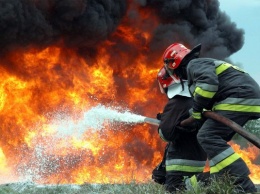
x=174 y=112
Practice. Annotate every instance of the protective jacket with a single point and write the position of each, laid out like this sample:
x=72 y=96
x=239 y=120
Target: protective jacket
x=184 y=155
x=220 y=86
x=228 y=90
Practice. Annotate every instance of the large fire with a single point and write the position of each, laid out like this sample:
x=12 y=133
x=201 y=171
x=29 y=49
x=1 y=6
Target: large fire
x=50 y=89
x=40 y=87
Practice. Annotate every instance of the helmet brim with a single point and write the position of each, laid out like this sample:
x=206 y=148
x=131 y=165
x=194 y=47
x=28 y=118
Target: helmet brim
x=195 y=52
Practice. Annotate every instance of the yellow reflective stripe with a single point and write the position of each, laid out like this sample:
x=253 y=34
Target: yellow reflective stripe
x=237 y=108
x=203 y=93
x=221 y=156
x=196 y=115
x=222 y=68
x=182 y=168
x=224 y=163
x=225 y=66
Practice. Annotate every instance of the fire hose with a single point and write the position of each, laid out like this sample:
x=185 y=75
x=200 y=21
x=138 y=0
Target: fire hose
x=217 y=117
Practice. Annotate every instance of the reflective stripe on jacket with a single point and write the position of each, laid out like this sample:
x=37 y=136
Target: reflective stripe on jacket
x=218 y=85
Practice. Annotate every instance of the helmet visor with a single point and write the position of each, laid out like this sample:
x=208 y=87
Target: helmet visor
x=170 y=73
x=167 y=66
x=169 y=63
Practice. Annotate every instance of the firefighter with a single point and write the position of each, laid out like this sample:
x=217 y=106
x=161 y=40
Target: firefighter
x=225 y=89
x=183 y=155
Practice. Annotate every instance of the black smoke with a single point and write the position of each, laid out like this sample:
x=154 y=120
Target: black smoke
x=84 y=24
x=196 y=21
x=78 y=23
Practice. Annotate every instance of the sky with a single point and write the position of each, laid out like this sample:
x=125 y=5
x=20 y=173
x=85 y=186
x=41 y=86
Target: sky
x=246 y=15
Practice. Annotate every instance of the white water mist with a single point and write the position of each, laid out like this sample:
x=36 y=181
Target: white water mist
x=94 y=119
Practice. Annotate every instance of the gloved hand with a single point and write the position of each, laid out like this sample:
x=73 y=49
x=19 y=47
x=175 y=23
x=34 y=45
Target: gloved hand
x=159 y=116
x=191 y=123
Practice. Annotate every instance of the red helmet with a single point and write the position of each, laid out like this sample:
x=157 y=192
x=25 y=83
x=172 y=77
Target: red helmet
x=165 y=79
x=170 y=84
x=176 y=52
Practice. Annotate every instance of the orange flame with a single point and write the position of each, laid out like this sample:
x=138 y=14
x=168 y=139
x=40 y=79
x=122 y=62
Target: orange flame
x=50 y=88
x=250 y=155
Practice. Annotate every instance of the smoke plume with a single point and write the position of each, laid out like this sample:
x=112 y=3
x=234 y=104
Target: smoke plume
x=78 y=23
x=84 y=24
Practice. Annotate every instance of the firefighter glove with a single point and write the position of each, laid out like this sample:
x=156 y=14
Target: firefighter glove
x=191 y=123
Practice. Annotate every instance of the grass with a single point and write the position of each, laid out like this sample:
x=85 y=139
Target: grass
x=132 y=188
x=223 y=185
x=220 y=186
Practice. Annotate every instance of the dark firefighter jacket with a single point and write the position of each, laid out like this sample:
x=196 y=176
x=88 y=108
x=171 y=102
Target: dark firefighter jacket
x=184 y=152
x=217 y=85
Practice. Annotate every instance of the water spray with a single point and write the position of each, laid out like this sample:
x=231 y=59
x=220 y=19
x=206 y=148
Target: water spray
x=97 y=118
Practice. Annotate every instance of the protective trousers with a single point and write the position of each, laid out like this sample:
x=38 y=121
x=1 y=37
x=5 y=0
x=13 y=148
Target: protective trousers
x=213 y=137
x=184 y=158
